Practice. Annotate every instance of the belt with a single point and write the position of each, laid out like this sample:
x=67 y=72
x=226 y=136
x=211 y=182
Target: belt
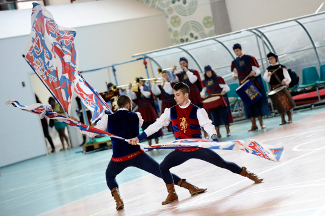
x=127 y=157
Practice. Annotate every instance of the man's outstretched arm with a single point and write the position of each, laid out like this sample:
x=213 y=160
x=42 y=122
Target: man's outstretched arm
x=163 y=120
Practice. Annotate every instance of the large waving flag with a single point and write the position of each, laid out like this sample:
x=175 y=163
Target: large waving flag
x=45 y=110
x=249 y=146
x=91 y=98
x=52 y=55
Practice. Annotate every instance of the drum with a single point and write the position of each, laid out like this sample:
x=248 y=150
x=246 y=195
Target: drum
x=282 y=99
x=248 y=93
x=214 y=102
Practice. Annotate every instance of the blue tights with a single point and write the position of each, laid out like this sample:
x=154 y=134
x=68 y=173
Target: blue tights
x=176 y=158
x=143 y=161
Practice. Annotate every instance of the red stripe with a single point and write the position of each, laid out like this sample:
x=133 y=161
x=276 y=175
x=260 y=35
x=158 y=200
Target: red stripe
x=128 y=157
x=188 y=149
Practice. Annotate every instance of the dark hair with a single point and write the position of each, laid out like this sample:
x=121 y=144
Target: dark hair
x=272 y=54
x=236 y=46
x=213 y=74
x=50 y=99
x=182 y=86
x=123 y=100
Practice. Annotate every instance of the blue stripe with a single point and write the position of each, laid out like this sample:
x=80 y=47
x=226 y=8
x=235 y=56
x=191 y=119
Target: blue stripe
x=195 y=127
x=175 y=128
x=173 y=113
x=197 y=136
x=193 y=113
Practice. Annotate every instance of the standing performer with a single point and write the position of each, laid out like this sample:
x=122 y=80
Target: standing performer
x=110 y=97
x=187 y=120
x=280 y=77
x=243 y=66
x=213 y=84
x=126 y=124
x=192 y=79
x=165 y=93
x=145 y=101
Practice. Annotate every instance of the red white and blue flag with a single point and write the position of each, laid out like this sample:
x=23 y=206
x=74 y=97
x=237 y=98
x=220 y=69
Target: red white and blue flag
x=52 y=55
x=45 y=110
x=91 y=98
x=249 y=146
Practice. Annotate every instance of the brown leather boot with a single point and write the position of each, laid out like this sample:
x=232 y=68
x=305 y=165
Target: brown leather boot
x=118 y=199
x=191 y=188
x=172 y=196
x=250 y=175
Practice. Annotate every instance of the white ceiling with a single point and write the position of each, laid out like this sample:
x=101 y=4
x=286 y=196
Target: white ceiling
x=15 y=23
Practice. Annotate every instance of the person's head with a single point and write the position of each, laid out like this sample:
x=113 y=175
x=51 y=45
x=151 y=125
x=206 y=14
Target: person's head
x=181 y=93
x=209 y=72
x=164 y=75
x=237 y=49
x=52 y=102
x=124 y=101
x=109 y=86
x=273 y=58
x=183 y=62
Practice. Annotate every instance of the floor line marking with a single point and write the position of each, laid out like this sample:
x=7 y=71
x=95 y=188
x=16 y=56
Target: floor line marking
x=283 y=163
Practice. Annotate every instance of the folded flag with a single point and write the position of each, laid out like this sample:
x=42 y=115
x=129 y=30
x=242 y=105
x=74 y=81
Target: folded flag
x=250 y=146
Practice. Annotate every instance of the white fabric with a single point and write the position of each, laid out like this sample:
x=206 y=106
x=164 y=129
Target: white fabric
x=132 y=94
x=164 y=120
x=102 y=124
x=168 y=88
x=202 y=93
x=155 y=89
x=145 y=93
x=224 y=88
x=287 y=78
x=192 y=78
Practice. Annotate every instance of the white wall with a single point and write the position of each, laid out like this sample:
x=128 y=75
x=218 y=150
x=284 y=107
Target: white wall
x=21 y=132
x=98 y=45
x=249 y=13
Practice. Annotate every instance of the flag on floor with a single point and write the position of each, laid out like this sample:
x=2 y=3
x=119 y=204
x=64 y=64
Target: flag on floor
x=250 y=146
x=45 y=110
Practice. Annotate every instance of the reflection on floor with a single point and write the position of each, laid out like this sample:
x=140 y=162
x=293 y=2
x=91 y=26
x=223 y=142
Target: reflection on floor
x=69 y=183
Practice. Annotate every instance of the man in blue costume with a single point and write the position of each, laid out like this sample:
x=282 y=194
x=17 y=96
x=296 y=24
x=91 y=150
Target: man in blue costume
x=243 y=66
x=126 y=124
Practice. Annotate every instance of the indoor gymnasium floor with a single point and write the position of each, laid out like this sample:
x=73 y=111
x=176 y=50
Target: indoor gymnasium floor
x=70 y=183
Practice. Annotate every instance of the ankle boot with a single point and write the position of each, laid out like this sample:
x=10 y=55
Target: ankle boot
x=118 y=199
x=172 y=196
x=191 y=188
x=250 y=175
